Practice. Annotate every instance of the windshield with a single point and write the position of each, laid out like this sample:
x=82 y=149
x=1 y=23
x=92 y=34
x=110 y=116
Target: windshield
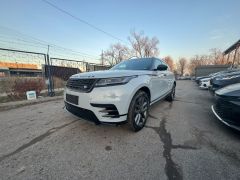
x=143 y=64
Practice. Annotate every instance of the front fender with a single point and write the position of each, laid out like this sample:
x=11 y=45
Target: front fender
x=138 y=83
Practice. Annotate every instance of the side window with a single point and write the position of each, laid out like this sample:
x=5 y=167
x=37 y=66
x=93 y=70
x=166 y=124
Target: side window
x=156 y=63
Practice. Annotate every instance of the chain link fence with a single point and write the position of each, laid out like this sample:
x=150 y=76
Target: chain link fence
x=21 y=71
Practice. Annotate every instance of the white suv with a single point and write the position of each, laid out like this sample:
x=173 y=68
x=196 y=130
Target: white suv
x=121 y=94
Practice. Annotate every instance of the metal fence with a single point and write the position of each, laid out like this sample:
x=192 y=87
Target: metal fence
x=15 y=62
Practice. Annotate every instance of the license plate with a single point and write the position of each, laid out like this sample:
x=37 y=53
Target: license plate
x=72 y=99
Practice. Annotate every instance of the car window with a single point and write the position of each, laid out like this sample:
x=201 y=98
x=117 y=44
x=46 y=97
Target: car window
x=136 y=64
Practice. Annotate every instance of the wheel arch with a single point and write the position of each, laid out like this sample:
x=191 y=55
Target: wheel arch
x=146 y=90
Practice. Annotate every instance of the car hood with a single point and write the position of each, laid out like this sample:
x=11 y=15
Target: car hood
x=230 y=91
x=205 y=79
x=110 y=73
x=222 y=80
x=201 y=77
x=231 y=73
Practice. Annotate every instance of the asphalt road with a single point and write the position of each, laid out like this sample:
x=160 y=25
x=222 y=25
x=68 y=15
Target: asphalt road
x=182 y=140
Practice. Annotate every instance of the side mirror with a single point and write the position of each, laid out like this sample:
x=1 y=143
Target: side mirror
x=162 y=67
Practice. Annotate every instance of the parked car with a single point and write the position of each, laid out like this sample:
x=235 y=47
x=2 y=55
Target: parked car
x=212 y=75
x=224 y=79
x=227 y=106
x=205 y=83
x=186 y=77
x=121 y=94
x=197 y=79
x=203 y=78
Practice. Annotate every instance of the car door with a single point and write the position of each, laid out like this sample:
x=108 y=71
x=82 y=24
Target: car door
x=157 y=81
x=168 y=79
x=164 y=78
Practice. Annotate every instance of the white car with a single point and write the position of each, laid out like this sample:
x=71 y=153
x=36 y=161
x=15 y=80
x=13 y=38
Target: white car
x=205 y=83
x=121 y=94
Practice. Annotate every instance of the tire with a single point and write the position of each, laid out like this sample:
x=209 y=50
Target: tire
x=171 y=96
x=138 y=111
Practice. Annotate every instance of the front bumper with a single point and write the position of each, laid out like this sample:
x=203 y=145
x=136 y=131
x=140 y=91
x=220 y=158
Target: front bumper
x=227 y=110
x=224 y=121
x=102 y=104
x=204 y=85
x=212 y=89
x=82 y=113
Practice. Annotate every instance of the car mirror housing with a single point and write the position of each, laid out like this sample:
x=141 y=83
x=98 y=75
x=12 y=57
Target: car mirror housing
x=162 y=67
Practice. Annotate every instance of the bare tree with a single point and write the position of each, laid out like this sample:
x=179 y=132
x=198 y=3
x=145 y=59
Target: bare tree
x=143 y=46
x=217 y=57
x=198 y=60
x=192 y=65
x=170 y=62
x=182 y=65
x=115 y=54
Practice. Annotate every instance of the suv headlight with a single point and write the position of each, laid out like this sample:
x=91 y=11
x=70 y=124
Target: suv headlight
x=113 y=81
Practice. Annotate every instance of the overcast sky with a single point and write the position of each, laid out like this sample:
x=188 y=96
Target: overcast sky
x=183 y=27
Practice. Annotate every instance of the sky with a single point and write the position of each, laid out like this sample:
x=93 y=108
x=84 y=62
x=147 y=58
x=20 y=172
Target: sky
x=183 y=27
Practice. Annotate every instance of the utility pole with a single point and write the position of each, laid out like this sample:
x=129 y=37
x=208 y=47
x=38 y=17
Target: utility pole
x=50 y=79
x=102 y=58
x=238 y=59
x=235 y=55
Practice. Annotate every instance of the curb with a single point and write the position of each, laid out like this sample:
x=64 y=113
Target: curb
x=17 y=104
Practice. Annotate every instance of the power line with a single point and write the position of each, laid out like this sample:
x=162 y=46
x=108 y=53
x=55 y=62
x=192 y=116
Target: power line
x=45 y=47
x=83 y=21
x=20 y=43
x=73 y=51
x=47 y=43
x=23 y=40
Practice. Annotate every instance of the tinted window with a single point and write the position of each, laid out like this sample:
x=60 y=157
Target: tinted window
x=139 y=64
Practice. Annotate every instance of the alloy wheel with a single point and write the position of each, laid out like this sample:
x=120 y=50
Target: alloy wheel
x=140 y=111
x=173 y=93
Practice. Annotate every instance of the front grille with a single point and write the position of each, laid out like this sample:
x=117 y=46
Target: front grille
x=83 y=85
x=228 y=111
x=82 y=113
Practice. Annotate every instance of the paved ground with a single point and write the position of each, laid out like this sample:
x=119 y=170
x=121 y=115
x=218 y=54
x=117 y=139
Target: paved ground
x=16 y=104
x=182 y=140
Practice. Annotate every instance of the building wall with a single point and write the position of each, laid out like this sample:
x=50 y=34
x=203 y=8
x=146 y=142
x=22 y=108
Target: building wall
x=206 y=70
x=18 y=65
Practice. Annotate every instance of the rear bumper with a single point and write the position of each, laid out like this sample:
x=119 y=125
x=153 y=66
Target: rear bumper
x=224 y=121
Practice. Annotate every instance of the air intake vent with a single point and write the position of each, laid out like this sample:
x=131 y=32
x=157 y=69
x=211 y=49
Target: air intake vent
x=108 y=110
